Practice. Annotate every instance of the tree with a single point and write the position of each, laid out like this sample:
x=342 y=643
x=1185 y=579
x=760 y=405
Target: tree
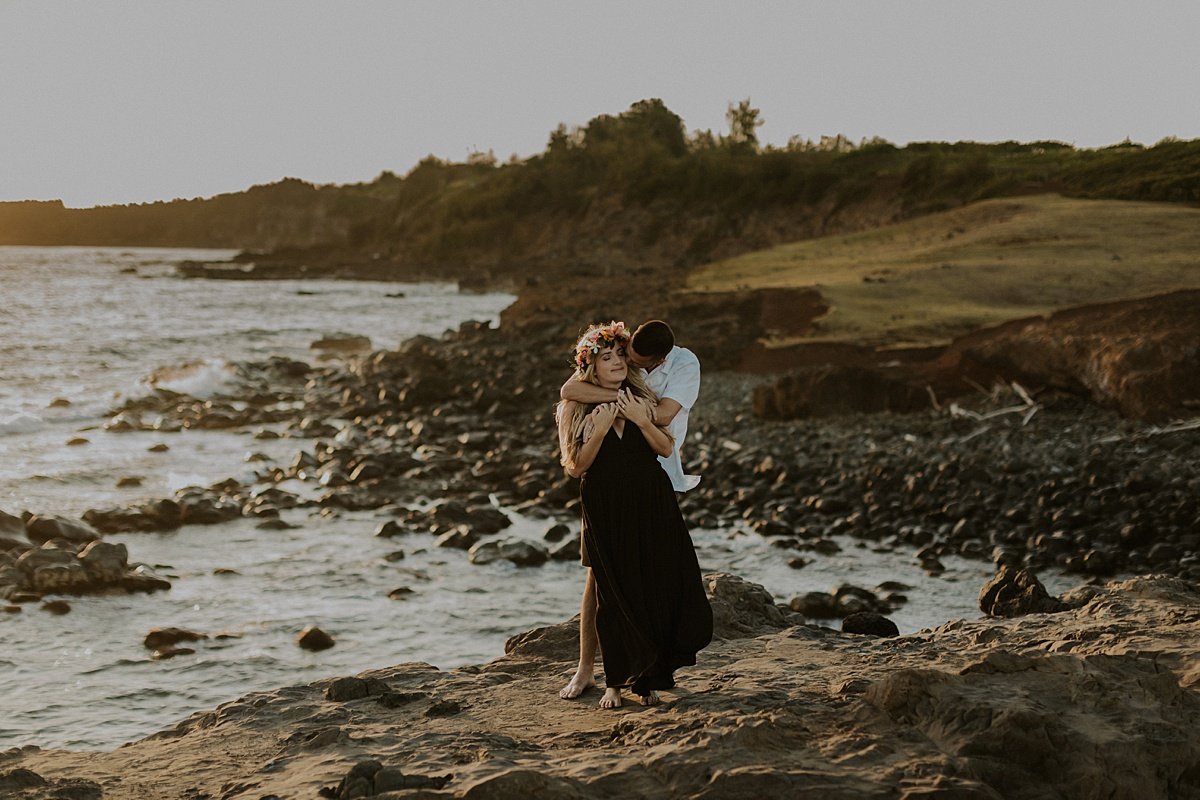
x=743 y=121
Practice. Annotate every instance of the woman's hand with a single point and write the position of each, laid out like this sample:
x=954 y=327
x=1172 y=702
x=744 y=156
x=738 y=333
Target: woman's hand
x=635 y=409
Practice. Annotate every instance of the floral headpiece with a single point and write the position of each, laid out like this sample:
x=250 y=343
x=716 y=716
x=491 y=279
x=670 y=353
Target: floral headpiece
x=600 y=337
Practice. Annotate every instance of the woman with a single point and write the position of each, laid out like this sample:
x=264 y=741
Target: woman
x=652 y=615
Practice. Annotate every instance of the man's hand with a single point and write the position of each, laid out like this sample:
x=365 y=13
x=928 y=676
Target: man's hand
x=602 y=417
x=635 y=409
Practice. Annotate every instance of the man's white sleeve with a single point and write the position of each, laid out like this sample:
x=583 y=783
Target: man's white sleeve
x=683 y=384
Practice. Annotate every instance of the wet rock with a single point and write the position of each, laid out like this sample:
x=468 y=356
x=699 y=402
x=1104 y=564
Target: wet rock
x=11 y=526
x=160 y=515
x=557 y=532
x=741 y=608
x=105 y=562
x=459 y=537
x=165 y=637
x=129 y=481
x=817 y=605
x=315 y=639
x=400 y=593
x=568 y=550
x=389 y=529
x=57 y=607
x=275 y=525
x=202 y=509
x=40 y=529
x=869 y=623
x=164 y=653
x=1014 y=592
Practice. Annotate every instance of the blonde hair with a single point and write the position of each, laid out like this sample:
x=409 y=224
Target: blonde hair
x=570 y=430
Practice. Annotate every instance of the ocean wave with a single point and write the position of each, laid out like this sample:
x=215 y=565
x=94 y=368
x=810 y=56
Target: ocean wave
x=21 y=423
x=195 y=378
x=124 y=662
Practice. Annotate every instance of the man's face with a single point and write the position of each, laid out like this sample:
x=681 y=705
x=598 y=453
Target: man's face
x=639 y=360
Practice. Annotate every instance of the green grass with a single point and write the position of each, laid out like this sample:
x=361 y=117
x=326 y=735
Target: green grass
x=924 y=281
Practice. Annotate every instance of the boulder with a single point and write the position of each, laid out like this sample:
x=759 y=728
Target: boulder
x=32 y=560
x=1013 y=592
x=741 y=608
x=11 y=526
x=105 y=562
x=40 y=529
x=166 y=637
x=459 y=537
x=313 y=638
x=870 y=624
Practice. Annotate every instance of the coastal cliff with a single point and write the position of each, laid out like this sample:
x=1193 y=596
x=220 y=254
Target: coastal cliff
x=1099 y=701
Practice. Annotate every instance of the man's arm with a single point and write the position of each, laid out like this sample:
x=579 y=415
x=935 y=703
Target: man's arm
x=584 y=392
x=666 y=411
x=681 y=391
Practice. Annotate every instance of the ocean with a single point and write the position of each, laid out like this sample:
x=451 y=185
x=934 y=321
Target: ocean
x=94 y=326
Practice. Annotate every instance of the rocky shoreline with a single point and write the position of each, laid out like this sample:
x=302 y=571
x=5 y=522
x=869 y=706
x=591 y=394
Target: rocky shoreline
x=1096 y=701
x=1045 y=480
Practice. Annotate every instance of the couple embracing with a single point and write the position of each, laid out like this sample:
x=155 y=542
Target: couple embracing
x=621 y=421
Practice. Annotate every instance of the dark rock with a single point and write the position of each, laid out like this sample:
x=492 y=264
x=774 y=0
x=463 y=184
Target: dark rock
x=345 y=689
x=400 y=593
x=58 y=607
x=818 y=605
x=556 y=533
x=391 y=779
x=105 y=562
x=741 y=608
x=1014 y=592
x=568 y=550
x=165 y=637
x=459 y=537
x=443 y=708
x=11 y=526
x=21 y=779
x=44 y=529
x=313 y=638
x=830 y=390
x=163 y=653
x=389 y=529
x=869 y=623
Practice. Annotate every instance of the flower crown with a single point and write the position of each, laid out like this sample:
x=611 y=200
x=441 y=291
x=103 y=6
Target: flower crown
x=600 y=337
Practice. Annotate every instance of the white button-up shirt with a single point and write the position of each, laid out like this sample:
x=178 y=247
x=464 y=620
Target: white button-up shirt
x=678 y=378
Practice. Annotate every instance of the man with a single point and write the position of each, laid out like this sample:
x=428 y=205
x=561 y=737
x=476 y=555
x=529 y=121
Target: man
x=673 y=373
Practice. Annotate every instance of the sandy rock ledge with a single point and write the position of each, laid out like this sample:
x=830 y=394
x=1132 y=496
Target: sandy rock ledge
x=1099 y=701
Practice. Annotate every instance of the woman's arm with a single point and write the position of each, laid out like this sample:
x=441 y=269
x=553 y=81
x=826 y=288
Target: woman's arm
x=598 y=423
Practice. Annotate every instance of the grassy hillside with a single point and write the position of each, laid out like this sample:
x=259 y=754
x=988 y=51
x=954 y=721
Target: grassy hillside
x=926 y=280
x=627 y=191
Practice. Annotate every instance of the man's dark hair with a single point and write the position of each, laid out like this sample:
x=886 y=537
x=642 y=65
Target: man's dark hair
x=653 y=339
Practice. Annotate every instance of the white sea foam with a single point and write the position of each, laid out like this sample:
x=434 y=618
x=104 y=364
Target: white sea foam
x=199 y=379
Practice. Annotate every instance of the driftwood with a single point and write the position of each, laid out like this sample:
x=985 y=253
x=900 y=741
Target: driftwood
x=1154 y=430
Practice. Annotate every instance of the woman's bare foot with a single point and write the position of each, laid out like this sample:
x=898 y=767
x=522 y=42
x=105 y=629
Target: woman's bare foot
x=651 y=699
x=578 y=684
x=611 y=699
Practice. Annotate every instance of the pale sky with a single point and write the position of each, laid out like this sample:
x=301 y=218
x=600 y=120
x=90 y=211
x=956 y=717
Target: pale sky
x=108 y=101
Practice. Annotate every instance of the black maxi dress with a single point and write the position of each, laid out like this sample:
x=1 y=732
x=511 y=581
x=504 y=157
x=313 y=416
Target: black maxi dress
x=652 y=615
